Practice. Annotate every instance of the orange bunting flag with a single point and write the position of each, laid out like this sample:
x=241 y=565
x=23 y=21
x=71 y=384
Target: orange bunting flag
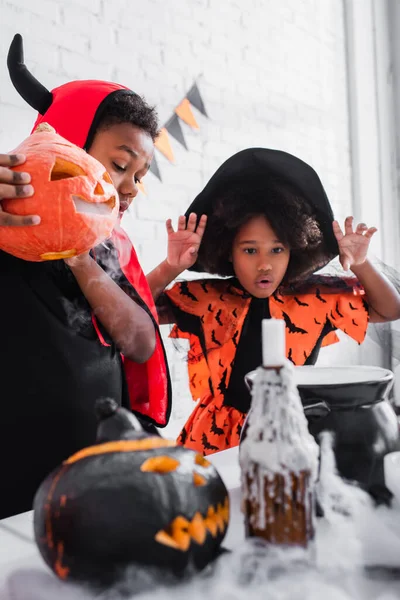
x=141 y=188
x=184 y=112
x=162 y=144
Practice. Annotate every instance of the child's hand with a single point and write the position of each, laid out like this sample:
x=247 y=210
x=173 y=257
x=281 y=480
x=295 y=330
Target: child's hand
x=80 y=261
x=13 y=185
x=183 y=244
x=353 y=245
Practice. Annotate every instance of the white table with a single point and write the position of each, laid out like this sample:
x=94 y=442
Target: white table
x=24 y=576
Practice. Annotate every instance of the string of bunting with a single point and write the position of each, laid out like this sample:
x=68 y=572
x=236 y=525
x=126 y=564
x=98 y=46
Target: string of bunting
x=172 y=127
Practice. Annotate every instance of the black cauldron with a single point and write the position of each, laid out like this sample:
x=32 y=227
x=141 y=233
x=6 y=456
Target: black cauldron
x=352 y=402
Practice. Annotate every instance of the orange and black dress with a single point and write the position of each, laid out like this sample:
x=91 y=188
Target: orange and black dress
x=223 y=325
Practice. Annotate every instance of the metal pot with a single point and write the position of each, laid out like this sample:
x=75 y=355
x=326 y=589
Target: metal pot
x=352 y=402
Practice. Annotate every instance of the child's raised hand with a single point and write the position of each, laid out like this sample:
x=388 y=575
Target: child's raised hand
x=353 y=245
x=184 y=243
x=13 y=185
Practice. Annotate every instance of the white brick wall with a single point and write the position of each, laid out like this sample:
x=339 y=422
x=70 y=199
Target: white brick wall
x=272 y=73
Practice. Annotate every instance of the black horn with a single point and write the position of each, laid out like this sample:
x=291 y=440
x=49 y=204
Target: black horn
x=33 y=92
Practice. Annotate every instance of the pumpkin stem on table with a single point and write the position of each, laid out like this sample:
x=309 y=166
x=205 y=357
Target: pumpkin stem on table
x=105 y=407
x=115 y=422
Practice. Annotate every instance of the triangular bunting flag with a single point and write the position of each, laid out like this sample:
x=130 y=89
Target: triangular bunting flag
x=141 y=187
x=196 y=100
x=184 y=112
x=174 y=128
x=162 y=144
x=154 y=169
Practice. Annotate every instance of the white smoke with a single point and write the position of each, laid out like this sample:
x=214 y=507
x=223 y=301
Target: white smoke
x=353 y=533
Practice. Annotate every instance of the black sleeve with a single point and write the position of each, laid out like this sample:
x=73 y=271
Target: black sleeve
x=169 y=313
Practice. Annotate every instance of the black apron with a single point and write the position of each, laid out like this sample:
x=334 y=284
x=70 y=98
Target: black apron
x=53 y=369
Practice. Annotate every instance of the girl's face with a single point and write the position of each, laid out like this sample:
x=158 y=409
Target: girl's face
x=126 y=152
x=259 y=258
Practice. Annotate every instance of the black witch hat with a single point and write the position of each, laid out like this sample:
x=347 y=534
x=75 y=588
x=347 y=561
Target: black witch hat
x=255 y=166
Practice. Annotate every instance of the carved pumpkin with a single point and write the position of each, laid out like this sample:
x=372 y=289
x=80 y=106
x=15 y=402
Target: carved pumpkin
x=73 y=195
x=133 y=500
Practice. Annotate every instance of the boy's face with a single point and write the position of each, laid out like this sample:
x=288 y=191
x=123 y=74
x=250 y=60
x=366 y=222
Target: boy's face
x=259 y=259
x=126 y=152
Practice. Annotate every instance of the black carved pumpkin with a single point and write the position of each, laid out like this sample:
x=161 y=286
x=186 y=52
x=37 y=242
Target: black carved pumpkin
x=132 y=499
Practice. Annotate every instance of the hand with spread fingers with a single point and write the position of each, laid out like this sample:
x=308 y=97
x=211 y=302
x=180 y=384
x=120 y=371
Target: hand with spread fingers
x=353 y=244
x=14 y=184
x=184 y=243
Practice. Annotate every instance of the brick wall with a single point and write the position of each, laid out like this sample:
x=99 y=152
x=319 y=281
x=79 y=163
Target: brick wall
x=272 y=73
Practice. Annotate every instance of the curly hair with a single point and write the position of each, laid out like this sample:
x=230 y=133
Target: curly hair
x=290 y=216
x=126 y=107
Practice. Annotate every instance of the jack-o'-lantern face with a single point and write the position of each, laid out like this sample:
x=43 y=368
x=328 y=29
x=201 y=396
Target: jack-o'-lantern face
x=73 y=195
x=182 y=531
x=131 y=502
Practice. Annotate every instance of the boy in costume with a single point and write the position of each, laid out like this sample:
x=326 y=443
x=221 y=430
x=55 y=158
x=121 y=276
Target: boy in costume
x=86 y=327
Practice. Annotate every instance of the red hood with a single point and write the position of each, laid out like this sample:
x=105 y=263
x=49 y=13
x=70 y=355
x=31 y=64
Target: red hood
x=74 y=107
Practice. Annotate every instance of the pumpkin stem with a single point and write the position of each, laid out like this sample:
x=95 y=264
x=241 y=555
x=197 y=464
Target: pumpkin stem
x=105 y=407
x=44 y=127
x=116 y=423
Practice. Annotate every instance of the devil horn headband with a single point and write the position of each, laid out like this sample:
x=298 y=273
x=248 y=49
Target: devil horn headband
x=31 y=90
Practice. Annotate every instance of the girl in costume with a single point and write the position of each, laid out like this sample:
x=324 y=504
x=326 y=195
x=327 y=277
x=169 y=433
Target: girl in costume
x=270 y=227
x=67 y=342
